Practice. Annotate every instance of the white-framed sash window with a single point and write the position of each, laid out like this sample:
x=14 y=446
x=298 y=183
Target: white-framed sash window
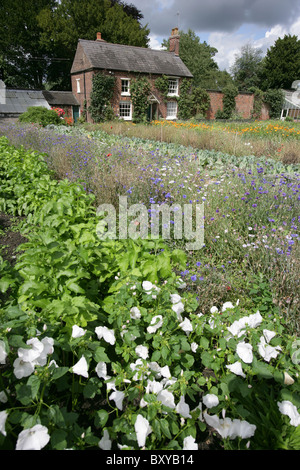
x=173 y=89
x=125 y=110
x=172 y=110
x=125 y=86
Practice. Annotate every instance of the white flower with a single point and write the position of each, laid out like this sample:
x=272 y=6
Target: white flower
x=183 y=408
x=101 y=371
x=210 y=400
x=175 y=298
x=147 y=286
x=165 y=372
x=152 y=329
x=153 y=386
x=287 y=408
x=268 y=335
x=135 y=313
x=3 y=397
x=214 y=309
x=81 y=367
x=118 y=398
x=47 y=349
x=194 y=347
x=142 y=429
x=186 y=325
x=178 y=309
x=105 y=442
x=266 y=351
x=238 y=327
x=31 y=354
x=189 y=443
x=3 y=353
x=142 y=351
x=22 y=368
x=34 y=438
x=3 y=417
x=166 y=398
x=227 y=305
x=236 y=368
x=228 y=428
x=244 y=351
x=77 y=331
x=105 y=333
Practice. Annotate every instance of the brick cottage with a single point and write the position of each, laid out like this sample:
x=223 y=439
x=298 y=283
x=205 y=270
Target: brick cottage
x=126 y=63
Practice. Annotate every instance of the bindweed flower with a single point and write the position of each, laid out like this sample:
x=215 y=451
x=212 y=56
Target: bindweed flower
x=142 y=351
x=81 y=367
x=154 y=328
x=183 y=408
x=101 y=370
x=226 y=306
x=178 y=309
x=105 y=333
x=28 y=358
x=186 y=326
x=147 y=286
x=189 y=443
x=267 y=351
x=135 y=313
x=236 y=369
x=3 y=418
x=34 y=438
x=118 y=398
x=77 y=331
x=166 y=398
x=105 y=442
x=230 y=428
x=244 y=351
x=210 y=400
x=3 y=353
x=287 y=408
x=142 y=429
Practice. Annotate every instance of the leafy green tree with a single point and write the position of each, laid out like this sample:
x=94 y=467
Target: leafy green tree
x=281 y=65
x=246 y=68
x=23 y=59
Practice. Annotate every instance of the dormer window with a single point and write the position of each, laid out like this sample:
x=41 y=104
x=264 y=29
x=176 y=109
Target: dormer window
x=173 y=87
x=125 y=86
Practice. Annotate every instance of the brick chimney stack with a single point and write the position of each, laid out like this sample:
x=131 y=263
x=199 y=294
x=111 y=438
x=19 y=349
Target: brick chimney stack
x=174 y=41
x=99 y=37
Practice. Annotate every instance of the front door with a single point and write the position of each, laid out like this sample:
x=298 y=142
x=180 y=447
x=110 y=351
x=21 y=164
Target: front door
x=75 y=113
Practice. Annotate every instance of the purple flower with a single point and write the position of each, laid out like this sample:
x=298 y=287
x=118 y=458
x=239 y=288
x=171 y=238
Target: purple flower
x=194 y=277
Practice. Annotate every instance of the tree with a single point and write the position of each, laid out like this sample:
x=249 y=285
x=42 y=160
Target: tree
x=23 y=59
x=71 y=20
x=246 y=68
x=281 y=65
x=38 y=38
x=197 y=56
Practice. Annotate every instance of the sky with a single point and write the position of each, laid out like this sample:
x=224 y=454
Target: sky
x=226 y=25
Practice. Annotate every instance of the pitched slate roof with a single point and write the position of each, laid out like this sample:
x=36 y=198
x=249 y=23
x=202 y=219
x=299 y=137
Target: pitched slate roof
x=60 y=98
x=105 y=55
x=15 y=102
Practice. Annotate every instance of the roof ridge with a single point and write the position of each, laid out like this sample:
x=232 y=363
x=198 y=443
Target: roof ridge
x=125 y=45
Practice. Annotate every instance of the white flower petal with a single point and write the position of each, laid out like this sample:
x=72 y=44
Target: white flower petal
x=142 y=429
x=77 y=331
x=236 y=368
x=244 y=351
x=34 y=438
x=166 y=398
x=118 y=398
x=186 y=325
x=183 y=408
x=105 y=442
x=189 y=443
x=142 y=351
x=210 y=400
x=3 y=417
x=81 y=367
x=105 y=333
x=287 y=408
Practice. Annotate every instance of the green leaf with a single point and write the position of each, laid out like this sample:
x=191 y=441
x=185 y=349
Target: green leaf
x=164 y=425
x=101 y=418
x=100 y=355
x=58 y=439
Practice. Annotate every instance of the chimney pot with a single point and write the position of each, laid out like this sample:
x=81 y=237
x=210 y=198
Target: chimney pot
x=99 y=37
x=174 y=41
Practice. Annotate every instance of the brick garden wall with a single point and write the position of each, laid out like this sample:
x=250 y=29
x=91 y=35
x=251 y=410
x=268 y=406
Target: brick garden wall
x=244 y=105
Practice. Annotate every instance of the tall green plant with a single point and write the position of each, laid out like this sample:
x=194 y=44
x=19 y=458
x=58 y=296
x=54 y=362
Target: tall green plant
x=102 y=93
x=140 y=89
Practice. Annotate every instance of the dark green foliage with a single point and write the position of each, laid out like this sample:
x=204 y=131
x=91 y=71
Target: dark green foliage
x=275 y=99
x=102 y=92
x=140 y=89
x=40 y=115
x=230 y=92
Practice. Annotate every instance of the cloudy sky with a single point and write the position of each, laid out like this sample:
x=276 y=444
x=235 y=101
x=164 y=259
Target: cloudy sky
x=226 y=25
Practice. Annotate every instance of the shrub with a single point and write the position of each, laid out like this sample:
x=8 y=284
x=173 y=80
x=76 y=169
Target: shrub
x=40 y=115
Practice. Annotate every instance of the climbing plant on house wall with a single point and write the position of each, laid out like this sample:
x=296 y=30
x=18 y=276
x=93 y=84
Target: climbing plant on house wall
x=229 y=94
x=140 y=89
x=102 y=93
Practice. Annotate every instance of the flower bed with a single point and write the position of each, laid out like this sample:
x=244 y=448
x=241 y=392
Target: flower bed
x=103 y=347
